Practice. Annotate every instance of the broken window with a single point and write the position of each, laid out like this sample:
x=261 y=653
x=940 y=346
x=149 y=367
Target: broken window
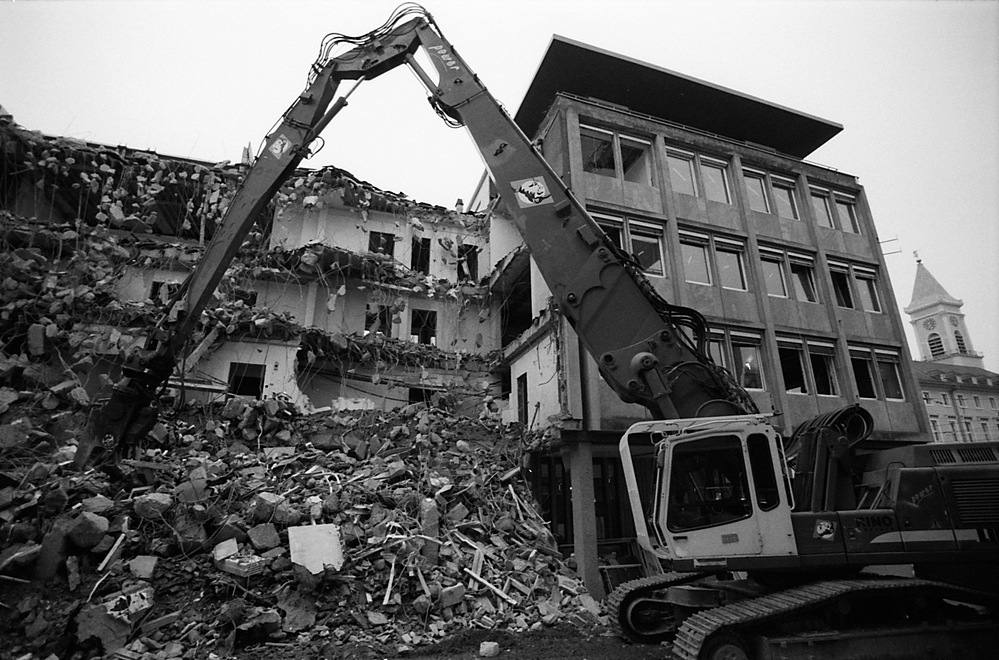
x=791 y=367
x=420 y=395
x=378 y=318
x=420 y=260
x=381 y=242
x=423 y=327
x=840 y=275
x=468 y=262
x=246 y=379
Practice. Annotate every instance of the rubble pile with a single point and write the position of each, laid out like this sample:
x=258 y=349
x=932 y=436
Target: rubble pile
x=252 y=524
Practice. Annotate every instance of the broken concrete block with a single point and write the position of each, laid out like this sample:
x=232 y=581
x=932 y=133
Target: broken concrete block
x=226 y=548
x=458 y=512
x=489 y=649
x=377 y=619
x=18 y=557
x=269 y=507
x=88 y=530
x=143 y=566
x=97 y=504
x=452 y=596
x=430 y=518
x=54 y=550
x=315 y=547
x=264 y=536
x=152 y=506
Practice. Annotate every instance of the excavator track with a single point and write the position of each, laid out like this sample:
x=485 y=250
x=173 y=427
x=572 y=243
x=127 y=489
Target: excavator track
x=636 y=613
x=720 y=632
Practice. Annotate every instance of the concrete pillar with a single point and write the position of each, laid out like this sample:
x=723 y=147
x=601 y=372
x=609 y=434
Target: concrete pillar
x=584 y=519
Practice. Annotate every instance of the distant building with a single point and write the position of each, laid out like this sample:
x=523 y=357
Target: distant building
x=961 y=397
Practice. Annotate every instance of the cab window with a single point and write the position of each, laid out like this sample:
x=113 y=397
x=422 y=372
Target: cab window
x=708 y=484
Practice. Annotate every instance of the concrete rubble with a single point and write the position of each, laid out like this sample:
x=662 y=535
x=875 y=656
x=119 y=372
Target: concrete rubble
x=404 y=528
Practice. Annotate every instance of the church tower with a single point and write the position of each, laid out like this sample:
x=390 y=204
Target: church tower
x=936 y=317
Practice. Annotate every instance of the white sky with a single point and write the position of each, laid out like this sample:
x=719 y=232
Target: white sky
x=914 y=83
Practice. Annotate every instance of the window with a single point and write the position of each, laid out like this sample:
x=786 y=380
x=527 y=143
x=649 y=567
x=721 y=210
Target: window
x=867 y=289
x=522 y=399
x=952 y=424
x=764 y=479
x=784 y=199
x=694 y=251
x=707 y=484
x=715 y=175
x=246 y=379
x=731 y=271
x=598 y=150
x=803 y=277
x=969 y=434
x=936 y=344
x=378 y=318
x=960 y=401
x=959 y=340
x=420 y=259
x=468 y=262
x=643 y=240
x=889 y=371
x=773 y=273
x=748 y=363
x=992 y=402
x=381 y=243
x=681 y=172
x=985 y=430
x=820 y=205
x=822 y=357
x=696 y=175
x=863 y=373
x=636 y=163
x=423 y=327
x=846 y=209
x=935 y=427
x=944 y=399
x=840 y=274
x=791 y=366
x=756 y=188
x=927 y=398
x=604 y=149
x=978 y=401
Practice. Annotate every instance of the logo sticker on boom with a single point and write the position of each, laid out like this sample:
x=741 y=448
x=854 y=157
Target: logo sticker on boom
x=825 y=530
x=531 y=192
x=280 y=146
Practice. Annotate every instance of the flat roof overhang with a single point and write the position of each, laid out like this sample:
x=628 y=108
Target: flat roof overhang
x=582 y=70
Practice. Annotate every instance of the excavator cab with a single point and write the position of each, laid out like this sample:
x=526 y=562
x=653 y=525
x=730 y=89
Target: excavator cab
x=722 y=497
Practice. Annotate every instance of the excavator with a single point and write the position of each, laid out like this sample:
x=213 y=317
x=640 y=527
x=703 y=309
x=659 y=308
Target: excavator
x=756 y=546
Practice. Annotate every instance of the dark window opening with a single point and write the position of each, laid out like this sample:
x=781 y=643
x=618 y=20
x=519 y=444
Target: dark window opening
x=862 y=374
x=841 y=286
x=824 y=371
x=423 y=327
x=791 y=369
x=381 y=243
x=522 y=399
x=248 y=298
x=421 y=256
x=246 y=379
x=420 y=395
x=516 y=312
x=961 y=347
x=468 y=262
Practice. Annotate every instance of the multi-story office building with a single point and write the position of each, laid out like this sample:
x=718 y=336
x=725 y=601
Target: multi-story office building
x=709 y=189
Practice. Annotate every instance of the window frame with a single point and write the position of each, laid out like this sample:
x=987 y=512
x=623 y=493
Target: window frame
x=785 y=347
x=843 y=200
x=786 y=185
x=816 y=194
x=867 y=289
x=627 y=228
x=761 y=176
x=617 y=153
x=883 y=357
x=842 y=269
x=826 y=351
x=389 y=240
x=806 y=262
x=775 y=258
x=427 y=329
x=702 y=242
x=738 y=249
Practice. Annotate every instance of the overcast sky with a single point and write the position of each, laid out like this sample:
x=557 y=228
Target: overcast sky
x=915 y=85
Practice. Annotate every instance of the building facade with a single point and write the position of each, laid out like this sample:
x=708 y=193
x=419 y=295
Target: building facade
x=709 y=189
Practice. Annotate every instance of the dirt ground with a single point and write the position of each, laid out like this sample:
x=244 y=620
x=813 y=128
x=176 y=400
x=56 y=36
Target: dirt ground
x=557 y=643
